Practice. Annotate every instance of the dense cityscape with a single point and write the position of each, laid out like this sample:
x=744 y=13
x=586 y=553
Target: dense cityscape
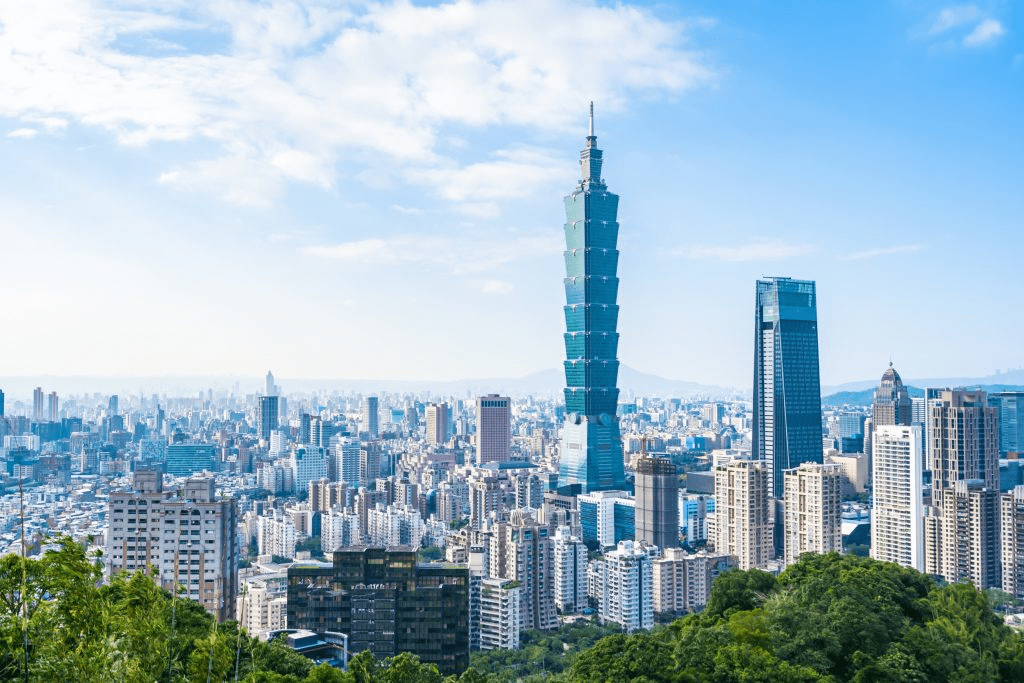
x=443 y=526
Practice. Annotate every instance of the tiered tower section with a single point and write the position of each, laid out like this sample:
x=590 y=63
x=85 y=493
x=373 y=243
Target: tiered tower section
x=591 y=453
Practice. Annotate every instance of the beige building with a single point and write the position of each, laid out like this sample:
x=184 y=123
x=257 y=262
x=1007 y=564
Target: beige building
x=493 y=429
x=742 y=520
x=523 y=550
x=962 y=524
x=813 y=505
x=682 y=580
x=854 y=469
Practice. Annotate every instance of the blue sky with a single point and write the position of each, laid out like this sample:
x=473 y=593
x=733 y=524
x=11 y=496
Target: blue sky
x=373 y=190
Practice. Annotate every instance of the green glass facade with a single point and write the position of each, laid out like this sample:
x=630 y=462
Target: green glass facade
x=591 y=453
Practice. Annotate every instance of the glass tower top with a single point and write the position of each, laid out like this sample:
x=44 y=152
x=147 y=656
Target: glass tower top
x=591 y=446
x=787 y=391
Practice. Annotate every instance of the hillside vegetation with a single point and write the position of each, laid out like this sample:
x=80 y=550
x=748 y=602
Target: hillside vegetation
x=828 y=618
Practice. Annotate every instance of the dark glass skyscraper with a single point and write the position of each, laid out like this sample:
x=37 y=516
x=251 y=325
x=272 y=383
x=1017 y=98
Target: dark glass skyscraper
x=591 y=452
x=787 y=390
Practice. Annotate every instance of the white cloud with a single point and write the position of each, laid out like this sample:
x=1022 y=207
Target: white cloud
x=467 y=253
x=302 y=92
x=753 y=251
x=495 y=287
x=951 y=17
x=26 y=133
x=884 y=251
x=984 y=33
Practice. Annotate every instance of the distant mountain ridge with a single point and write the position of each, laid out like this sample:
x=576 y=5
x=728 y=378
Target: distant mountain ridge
x=866 y=396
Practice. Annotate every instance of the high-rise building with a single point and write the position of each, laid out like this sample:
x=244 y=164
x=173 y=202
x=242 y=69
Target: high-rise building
x=1010 y=406
x=371 y=417
x=570 y=572
x=742 y=525
x=657 y=502
x=501 y=614
x=438 y=416
x=607 y=517
x=386 y=603
x=347 y=461
x=37 y=404
x=1 y=403
x=369 y=465
x=813 y=508
x=113 y=405
x=1012 y=534
x=622 y=583
x=53 y=407
x=787 y=390
x=493 y=429
x=268 y=416
x=591 y=448
x=190 y=538
x=892 y=405
x=523 y=549
x=682 y=580
x=962 y=524
x=270 y=388
x=184 y=459
x=485 y=497
x=897 y=515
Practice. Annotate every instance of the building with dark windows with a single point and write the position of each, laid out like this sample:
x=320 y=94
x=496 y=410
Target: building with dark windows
x=1010 y=406
x=657 y=502
x=386 y=603
x=591 y=449
x=268 y=416
x=787 y=390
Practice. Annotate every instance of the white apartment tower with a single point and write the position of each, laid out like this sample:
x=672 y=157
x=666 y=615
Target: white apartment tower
x=742 y=518
x=897 y=517
x=813 y=505
x=622 y=582
x=189 y=536
x=570 y=572
x=500 y=614
x=493 y=429
x=1012 y=530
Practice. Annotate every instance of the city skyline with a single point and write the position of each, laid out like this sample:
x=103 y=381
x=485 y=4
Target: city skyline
x=206 y=173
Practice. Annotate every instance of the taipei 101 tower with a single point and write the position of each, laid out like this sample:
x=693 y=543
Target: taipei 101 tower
x=591 y=450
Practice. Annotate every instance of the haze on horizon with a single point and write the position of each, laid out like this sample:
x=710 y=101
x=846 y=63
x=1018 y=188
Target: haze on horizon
x=375 y=190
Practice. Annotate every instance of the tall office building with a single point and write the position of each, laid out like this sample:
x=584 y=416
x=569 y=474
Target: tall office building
x=787 y=390
x=1010 y=406
x=371 y=417
x=438 y=415
x=268 y=416
x=892 y=404
x=113 y=405
x=591 y=448
x=270 y=388
x=493 y=429
x=657 y=502
x=742 y=519
x=813 y=497
x=386 y=603
x=347 y=458
x=37 y=404
x=897 y=515
x=1 y=403
x=962 y=525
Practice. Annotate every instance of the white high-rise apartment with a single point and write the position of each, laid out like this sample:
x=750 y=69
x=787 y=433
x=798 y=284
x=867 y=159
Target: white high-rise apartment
x=622 y=582
x=1012 y=531
x=275 y=535
x=500 y=614
x=897 y=520
x=493 y=429
x=813 y=505
x=570 y=572
x=262 y=604
x=742 y=519
x=682 y=580
x=307 y=463
x=191 y=538
x=339 y=530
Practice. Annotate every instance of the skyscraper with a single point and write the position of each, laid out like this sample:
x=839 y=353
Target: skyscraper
x=813 y=508
x=271 y=388
x=591 y=449
x=962 y=526
x=657 y=502
x=52 y=407
x=743 y=523
x=787 y=390
x=37 y=404
x=892 y=405
x=438 y=416
x=493 y=429
x=268 y=416
x=371 y=416
x=1010 y=405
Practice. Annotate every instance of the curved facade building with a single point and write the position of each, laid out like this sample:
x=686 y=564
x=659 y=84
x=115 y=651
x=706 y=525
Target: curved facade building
x=892 y=405
x=591 y=452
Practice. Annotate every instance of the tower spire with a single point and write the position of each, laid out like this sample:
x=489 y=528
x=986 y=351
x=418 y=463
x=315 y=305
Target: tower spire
x=591 y=118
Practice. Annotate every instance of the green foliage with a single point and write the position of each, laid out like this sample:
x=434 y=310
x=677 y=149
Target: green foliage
x=431 y=554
